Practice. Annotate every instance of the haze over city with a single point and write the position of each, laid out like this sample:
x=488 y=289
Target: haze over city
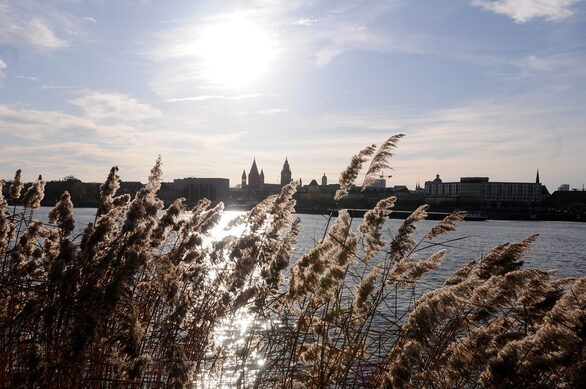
x=479 y=87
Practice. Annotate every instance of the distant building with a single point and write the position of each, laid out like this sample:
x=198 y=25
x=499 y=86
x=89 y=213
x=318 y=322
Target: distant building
x=419 y=188
x=255 y=180
x=129 y=187
x=568 y=200
x=400 y=189
x=481 y=191
x=379 y=183
x=195 y=189
x=564 y=188
x=324 y=180
x=286 y=173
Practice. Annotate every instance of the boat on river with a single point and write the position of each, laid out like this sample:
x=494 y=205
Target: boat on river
x=476 y=217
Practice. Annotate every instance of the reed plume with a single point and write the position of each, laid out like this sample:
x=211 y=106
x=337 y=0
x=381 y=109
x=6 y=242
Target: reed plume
x=406 y=272
x=35 y=193
x=364 y=289
x=62 y=215
x=447 y=224
x=3 y=202
x=373 y=221
x=107 y=191
x=348 y=176
x=380 y=160
x=16 y=185
x=6 y=227
x=403 y=241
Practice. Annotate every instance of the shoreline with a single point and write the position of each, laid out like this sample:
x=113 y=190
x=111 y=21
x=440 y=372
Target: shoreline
x=403 y=214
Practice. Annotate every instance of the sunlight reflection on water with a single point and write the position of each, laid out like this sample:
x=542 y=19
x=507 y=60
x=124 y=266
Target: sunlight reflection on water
x=232 y=360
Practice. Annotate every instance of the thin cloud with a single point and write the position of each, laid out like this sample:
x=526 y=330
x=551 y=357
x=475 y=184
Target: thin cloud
x=37 y=124
x=563 y=65
x=39 y=33
x=217 y=97
x=305 y=22
x=2 y=67
x=38 y=24
x=100 y=105
x=54 y=143
x=344 y=37
x=347 y=28
x=29 y=78
x=49 y=86
x=272 y=111
x=524 y=11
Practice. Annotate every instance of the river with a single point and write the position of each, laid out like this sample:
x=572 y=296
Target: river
x=561 y=245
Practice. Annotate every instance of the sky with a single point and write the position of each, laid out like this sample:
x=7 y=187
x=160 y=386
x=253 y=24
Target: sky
x=491 y=88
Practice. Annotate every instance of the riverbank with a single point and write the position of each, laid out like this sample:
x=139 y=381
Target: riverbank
x=555 y=215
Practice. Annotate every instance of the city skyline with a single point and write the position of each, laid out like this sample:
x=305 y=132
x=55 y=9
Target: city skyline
x=334 y=180
x=387 y=177
x=480 y=88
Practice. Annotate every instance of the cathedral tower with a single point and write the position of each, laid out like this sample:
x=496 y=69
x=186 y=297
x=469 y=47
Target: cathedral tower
x=285 y=173
x=254 y=176
x=243 y=179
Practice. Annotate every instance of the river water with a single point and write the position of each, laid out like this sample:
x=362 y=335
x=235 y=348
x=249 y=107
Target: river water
x=561 y=245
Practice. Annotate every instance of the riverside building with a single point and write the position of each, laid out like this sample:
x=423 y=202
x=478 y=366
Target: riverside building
x=481 y=191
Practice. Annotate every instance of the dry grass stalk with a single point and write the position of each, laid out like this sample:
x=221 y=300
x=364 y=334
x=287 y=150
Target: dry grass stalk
x=35 y=193
x=448 y=224
x=3 y=202
x=373 y=222
x=380 y=161
x=348 y=176
x=17 y=185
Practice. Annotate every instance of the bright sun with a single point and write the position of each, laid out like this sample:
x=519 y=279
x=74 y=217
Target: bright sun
x=234 y=52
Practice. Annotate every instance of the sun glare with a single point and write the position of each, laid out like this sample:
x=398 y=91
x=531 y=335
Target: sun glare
x=234 y=52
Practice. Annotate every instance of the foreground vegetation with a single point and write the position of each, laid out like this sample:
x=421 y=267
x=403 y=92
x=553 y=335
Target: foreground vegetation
x=137 y=299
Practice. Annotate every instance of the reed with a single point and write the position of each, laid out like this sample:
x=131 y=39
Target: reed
x=138 y=300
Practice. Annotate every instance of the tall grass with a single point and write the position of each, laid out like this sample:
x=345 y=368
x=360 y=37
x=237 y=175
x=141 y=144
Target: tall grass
x=138 y=298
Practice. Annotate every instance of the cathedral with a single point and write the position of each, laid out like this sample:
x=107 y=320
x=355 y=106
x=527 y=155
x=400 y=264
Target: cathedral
x=256 y=180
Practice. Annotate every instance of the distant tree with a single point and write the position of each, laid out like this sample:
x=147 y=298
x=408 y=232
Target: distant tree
x=78 y=191
x=71 y=178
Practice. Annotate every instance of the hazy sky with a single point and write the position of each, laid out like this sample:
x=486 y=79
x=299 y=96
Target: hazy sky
x=480 y=87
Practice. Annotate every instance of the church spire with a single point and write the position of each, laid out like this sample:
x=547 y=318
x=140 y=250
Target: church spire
x=254 y=181
x=285 y=173
x=537 y=178
x=253 y=169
